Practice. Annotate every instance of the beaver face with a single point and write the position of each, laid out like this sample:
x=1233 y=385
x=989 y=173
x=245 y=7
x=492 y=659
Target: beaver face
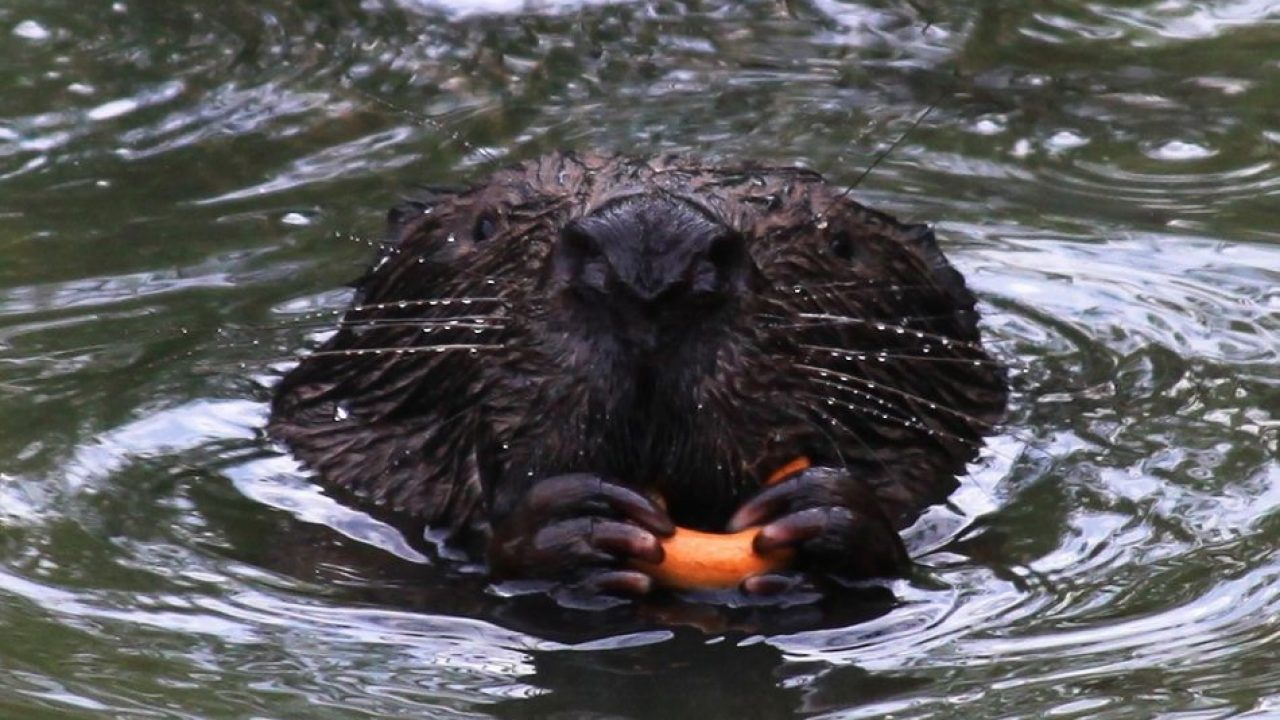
x=678 y=328
x=642 y=281
x=641 y=342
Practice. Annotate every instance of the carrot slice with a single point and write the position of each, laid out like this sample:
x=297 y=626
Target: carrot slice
x=715 y=561
x=795 y=466
x=711 y=561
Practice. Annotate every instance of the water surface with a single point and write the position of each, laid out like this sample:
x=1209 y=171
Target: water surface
x=183 y=184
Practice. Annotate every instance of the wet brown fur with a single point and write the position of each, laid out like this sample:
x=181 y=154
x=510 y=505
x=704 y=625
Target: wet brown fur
x=857 y=345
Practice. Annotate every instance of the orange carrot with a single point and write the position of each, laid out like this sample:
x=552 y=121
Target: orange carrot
x=795 y=466
x=701 y=560
x=713 y=561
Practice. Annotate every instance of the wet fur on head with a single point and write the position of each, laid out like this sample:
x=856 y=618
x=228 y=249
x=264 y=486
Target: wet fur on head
x=476 y=359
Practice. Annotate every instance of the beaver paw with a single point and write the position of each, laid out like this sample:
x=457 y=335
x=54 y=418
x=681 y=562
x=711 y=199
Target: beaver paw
x=832 y=520
x=582 y=529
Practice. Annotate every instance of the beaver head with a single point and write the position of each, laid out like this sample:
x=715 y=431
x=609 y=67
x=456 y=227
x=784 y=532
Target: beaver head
x=684 y=329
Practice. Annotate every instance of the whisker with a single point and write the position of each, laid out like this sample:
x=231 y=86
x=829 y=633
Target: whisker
x=849 y=380
x=413 y=350
x=428 y=302
x=879 y=158
x=426 y=120
x=463 y=323
x=854 y=285
x=932 y=405
x=881 y=326
x=905 y=421
x=977 y=445
x=835 y=444
x=328 y=315
x=882 y=356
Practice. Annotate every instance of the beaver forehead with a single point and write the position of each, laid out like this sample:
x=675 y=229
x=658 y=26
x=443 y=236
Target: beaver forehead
x=740 y=197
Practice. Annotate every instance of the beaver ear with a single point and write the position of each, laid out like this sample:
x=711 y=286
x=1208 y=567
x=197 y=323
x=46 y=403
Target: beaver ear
x=922 y=239
x=414 y=206
x=402 y=219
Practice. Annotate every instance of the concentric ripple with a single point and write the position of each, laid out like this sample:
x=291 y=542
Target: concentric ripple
x=185 y=188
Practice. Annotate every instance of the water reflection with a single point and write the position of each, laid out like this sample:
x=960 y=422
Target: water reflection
x=177 y=179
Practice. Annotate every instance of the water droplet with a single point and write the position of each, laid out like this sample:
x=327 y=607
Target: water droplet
x=341 y=413
x=473 y=351
x=295 y=218
x=451 y=238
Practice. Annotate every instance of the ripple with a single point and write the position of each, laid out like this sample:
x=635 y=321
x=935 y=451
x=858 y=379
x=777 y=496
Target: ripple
x=1104 y=175
x=485 y=7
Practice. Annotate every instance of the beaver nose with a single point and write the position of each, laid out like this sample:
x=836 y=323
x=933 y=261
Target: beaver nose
x=652 y=249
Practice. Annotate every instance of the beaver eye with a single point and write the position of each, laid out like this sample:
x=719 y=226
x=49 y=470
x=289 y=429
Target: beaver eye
x=842 y=245
x=484 y=228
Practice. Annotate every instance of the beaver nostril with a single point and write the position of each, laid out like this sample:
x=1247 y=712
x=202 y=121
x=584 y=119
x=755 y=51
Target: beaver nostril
x=580 y=260
x=579 y=244
x=724 y=252
x=650 y=249
x=718 y=269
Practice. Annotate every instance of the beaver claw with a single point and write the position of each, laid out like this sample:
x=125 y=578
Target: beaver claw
x=581 y=528
x=831 y=519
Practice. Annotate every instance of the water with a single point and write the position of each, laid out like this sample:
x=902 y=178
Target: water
x=181 y=183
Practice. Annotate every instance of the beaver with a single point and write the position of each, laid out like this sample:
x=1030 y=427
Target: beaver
x=562 y=363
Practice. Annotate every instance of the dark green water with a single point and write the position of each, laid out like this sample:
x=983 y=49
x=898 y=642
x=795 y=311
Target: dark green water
x=181 y=182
